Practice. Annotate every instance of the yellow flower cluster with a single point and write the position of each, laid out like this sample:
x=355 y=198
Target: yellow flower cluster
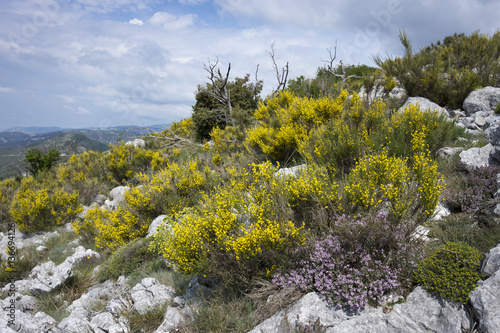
x=111 y=228
x=312 y=185
x=39 y=206
x=125 y=160
x=183 y=128
x=285 y=121
x=238 y=219
x=378 y=178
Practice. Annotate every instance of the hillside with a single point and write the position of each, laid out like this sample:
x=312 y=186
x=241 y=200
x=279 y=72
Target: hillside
x=11 y=159
x=15 y=142
x=349 y=210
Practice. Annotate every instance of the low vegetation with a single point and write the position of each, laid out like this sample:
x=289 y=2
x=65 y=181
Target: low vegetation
x=339 y=224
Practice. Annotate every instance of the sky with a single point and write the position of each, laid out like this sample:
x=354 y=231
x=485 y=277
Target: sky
x=101 y=63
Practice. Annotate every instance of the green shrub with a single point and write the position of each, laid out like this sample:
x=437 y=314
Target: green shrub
x=497 y=108
x=465 y=228
x=39 y=161
x=126 y=260
x=8 y=188
x=448 y=71
x=451 y=271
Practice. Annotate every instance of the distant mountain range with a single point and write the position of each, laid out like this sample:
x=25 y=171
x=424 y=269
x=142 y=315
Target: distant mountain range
x=15 y=142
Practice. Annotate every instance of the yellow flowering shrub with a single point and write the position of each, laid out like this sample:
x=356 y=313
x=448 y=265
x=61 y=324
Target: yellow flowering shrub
x=111 y=229
x=123 y=161
x=343 y=139
x=39 y=206
x=285 y=120
x=312 y=186
x=410 y=185
x=378 y=178
x=438 y=130
x=239 y=220
x=86 y=173
x=183 y=128
x=229 y=139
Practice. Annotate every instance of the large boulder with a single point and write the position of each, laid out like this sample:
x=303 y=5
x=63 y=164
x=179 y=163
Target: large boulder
x=149 y=294
x=485 y=300
x=424 y=104
x=117 y=196
x=293 y=171
x=485 y=99
x=421 y=313
x=475 y=158
x=153 y=227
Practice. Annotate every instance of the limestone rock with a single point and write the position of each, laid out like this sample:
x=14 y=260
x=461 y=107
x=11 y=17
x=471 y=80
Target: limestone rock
x=446 y=152
x=136 y=143
x=485 y=300
x=101 y=292
x=149 y=294
x=106 y=323
x=440 y=212
x=77 y=321
x=293 y=171
x=173 y=317
x=491 y=262
x=492 y=134
x=420 y=314
x=308 y=308
x=474 y=158
x=425 y=105
x=484 y=99
x=117 y=196
x=155 y=224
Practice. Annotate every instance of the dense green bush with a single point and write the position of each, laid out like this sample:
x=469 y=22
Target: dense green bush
x=39 y=161
x=451 y=272
x=446 y=72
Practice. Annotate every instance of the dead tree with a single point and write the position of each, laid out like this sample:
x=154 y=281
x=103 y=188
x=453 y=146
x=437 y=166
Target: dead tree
x=281 y=77
x=330 y=69
x=220 y=89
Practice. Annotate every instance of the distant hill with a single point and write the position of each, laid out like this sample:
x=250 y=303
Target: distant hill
x=15 y=144
x=30 y=136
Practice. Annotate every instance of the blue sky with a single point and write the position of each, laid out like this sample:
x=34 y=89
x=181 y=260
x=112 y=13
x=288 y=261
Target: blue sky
x=98 y=63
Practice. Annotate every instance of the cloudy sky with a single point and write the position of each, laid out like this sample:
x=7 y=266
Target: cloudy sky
x=98 y=63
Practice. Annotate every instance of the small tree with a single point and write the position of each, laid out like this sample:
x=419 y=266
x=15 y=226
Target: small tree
x=222 y=103
x=39 y=161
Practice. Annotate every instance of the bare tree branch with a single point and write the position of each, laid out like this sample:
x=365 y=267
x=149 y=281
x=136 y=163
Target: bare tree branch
x=329 y=62
x=281 y=77
x=220 y=91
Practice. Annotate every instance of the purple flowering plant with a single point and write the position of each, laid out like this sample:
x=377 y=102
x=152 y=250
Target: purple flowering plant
x=356 y=264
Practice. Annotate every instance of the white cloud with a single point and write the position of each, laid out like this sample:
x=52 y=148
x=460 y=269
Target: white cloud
x=7 y=90
x=172 y=22
x=81 y=110
x=136 y=21
x=82 y=58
